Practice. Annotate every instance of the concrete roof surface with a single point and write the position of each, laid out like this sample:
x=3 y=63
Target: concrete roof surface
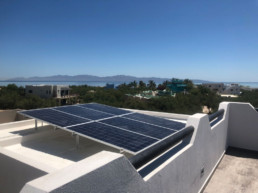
x=237 y=172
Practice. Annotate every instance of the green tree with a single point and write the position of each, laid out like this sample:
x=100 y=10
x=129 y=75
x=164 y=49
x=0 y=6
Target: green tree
x=189 y=84
x=151 y=85
x=161 y=87
x=133 y=84
x=142 y=85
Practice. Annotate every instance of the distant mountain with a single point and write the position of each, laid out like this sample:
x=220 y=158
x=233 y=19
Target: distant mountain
x=117 y=78
x=90 y=78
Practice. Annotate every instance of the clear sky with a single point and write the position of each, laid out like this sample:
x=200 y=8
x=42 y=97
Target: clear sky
x=213 y=40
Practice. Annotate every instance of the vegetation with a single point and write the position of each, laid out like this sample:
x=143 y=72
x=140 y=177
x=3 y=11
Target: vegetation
x=246 y=96
x=189 y=102
x=13 y=97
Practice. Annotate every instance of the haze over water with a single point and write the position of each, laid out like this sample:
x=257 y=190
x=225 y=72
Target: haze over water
x=91 y=83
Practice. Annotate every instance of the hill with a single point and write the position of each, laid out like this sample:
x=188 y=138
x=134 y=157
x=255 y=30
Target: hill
x=91 y=78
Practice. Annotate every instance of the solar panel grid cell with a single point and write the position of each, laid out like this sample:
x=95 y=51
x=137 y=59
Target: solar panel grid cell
x=105 y=108
x=121 y=138
x=56 y=117
x=139 y=127
x=156 y=121
x=83 y=112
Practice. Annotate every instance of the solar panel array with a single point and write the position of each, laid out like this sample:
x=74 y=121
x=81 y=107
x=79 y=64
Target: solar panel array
x=119 y=128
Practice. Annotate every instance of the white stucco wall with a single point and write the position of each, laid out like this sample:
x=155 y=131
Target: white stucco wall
x=182 y=173
x=103 y=172
x=243 y=126
x=16 y=171
x=7 y=116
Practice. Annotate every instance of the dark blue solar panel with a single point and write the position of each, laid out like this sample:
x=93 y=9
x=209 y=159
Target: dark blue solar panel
x=143 y=128
x=133 y=132
x=124 y=139
x=83 y=112
x=55 y=117
x=156 y=121
x=105 y=108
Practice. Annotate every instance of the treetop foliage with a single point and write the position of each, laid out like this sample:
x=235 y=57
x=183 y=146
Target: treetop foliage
x=189 y=102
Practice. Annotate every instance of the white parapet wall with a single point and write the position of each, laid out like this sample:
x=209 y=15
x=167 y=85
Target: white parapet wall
x=7 y=116
x=17 y=124
x=189 y=169
x=243 y=126
x=102 y=172
x=16 y=170
x=186 y=171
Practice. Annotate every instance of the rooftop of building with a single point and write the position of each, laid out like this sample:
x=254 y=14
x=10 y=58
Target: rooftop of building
x=237 y=172
x=219 y=156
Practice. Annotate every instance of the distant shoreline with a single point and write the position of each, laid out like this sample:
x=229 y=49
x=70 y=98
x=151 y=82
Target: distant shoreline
x=48 y=81
x=252 y=85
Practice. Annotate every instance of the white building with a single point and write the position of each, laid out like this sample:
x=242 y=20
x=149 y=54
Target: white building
x=221 y=88
x=48 y=91
x=47 y=159
x=232 y=89
x=216 y=87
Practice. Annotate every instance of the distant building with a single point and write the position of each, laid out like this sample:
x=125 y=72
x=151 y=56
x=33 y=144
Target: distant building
x=48 y=91
x=148 y=94
x=216 y=87
x=165 y=93
x=177 y=86
x=60 y=92
x=221 y=88
x=110 y=86
x=233 y=89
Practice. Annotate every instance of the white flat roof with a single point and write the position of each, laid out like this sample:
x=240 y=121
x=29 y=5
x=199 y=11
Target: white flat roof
x=55 y=148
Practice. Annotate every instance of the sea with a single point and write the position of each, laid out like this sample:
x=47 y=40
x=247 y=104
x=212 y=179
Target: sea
x=102 y=84
x=245 y=84
x=75 y=83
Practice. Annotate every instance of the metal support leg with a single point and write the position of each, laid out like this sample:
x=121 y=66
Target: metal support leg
x=36 y=124
x=77 y=141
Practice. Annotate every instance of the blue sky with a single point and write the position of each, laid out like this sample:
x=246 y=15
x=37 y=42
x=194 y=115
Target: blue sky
x=200 y=39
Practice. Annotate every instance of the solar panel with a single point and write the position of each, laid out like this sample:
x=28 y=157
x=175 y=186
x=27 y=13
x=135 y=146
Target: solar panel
x=116 y=127
x=55 y=117
x=118 y=137
x=156 y=121
x=105 y=109
x=139 y=127
x=83 y=112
